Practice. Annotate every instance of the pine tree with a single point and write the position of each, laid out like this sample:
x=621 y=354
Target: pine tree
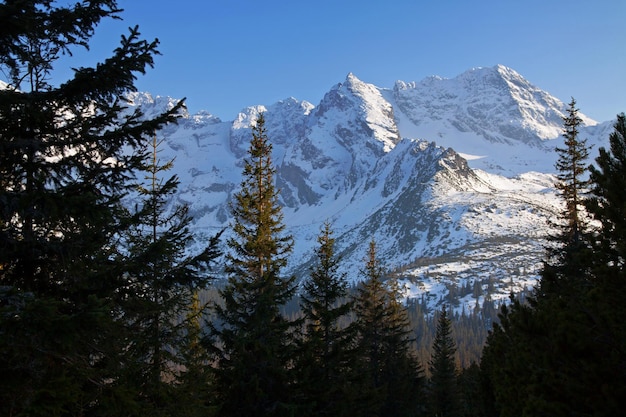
x=442 y=391
x=194 y=396
x=161 y=279
x=571 y=181
x=565 y=269
x=391 y=374
x=554 y=356
x=507 y=362
x=607 y=202
x=254 y=341
x=606 y=299
x=64 y=167
x=559 y=300
x=326 y=352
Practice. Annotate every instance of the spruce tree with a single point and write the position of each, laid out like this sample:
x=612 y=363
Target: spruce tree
x=194 y=396
x=571 y=169
x=442 y=389
x=553 y=356
x=66 y=155
x=253 y=340
x=391 y=374
x=508 y=360
x=160 y=280
x=565 y=268
x=325 y=357
x=607 y=202
x=606 y=299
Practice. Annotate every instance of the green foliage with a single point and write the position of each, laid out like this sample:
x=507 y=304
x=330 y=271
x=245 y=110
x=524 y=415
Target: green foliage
x=159 y=282
x=505 y=358
x=563 y=353
x=572 y=167
x=608 y=201
x=606 y=298
x=391 y=375
x=565 y=269
x=325 y=356
x=194 y=397
x=254 y=341
x=66 y=155
x=470 y=383
x=44 y=364
x=443 y=396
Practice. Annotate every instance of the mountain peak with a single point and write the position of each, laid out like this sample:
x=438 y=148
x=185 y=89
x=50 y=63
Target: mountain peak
x=496 y=103
x=423 y=199
x=359 y=114
x=506 y=71
x=355 y=85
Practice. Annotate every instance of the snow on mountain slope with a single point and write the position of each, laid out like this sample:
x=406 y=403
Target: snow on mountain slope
x=352 y=128
x=508 y=226
x=452 y=178
x=492 y=116
x=496 y=102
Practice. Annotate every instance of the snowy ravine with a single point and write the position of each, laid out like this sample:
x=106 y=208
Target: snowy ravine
x=451 y=177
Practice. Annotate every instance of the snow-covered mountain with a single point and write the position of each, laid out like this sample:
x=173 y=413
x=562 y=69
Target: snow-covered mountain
x=451 y=177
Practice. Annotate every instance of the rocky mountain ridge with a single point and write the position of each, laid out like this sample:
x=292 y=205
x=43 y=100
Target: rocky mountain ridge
x=451 y=177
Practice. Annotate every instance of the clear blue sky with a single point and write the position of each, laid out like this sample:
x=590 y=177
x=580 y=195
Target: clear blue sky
x=224 y=55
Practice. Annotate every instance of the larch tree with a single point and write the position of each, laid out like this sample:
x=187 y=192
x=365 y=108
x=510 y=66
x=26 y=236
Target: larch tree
x=66 y=157
x=253 y=340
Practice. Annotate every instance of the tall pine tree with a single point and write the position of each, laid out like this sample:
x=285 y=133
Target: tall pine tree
x=160 y=281
x=571 y=169
x=606 y=299
x=555 y=356
x=253 y=340
x=325 y=357
x=390 y=373
x=559 y=300
x=565 y=270
x=443 y=396
x=64 y=167
x=608 y=202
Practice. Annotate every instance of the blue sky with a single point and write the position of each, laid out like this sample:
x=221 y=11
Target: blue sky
x=224 y=55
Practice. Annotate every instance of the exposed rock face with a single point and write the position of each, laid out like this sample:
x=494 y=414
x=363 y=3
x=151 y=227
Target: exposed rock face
x=455 y=173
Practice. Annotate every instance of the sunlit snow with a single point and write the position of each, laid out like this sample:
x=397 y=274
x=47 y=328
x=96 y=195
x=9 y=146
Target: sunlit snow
x=453 y=178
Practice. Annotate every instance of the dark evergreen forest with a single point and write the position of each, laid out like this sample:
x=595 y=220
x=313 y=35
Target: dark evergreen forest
x=103 y=312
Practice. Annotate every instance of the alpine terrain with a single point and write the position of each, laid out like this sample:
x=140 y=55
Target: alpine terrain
x=453 y=178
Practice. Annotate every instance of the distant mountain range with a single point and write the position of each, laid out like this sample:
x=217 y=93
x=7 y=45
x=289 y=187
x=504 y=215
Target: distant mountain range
x=453 y=178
